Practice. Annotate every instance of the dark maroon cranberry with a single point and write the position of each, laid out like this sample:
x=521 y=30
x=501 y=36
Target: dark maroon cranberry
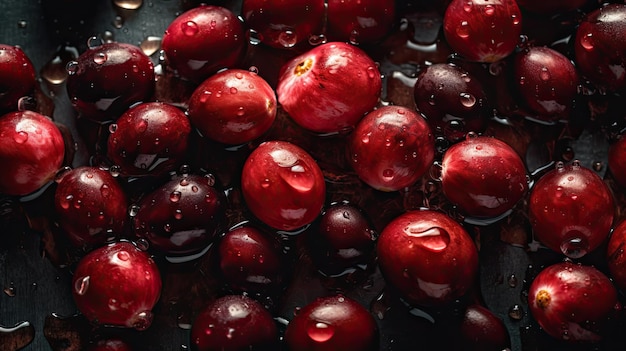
x=150 y=138
x=281 y=24
x=233 y=107
x=17 y=77
x=181 y=216
x=32 y=150
x=107 y=79
x=484 y=176
x=572 y=302
x=234 y=323
x=403 y=136
x=552 y=7
x=600 y=47
x=483 y=330
x=203 y=40
x=616 y=259
x=617 y=160
x=117 y=285
x=571 y=210
x=91 y=205
x=427 y=257
x=360 y=21
x=112 y=344
x=333 y=323
x=483 y=31
x=282 y=185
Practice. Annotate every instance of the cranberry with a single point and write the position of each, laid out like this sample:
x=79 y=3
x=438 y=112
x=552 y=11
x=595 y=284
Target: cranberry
x=201 y=41
x=234 y=323
x=615 y=255
x=107 y=79
x=483 y=330
x=571 y=210
x=482 y=31
x=282 y=185
x=312 y=87
x=91 y=205
x=617 y=160
x=32 y=150
x=571 y=301
x=427 y=257
x=117 y=285
x=600 y=47
x=181 y=216
x=406 y=140
x=233 y=107
x=484 y=176
x=333 y=323
x=17 y=75
x=112 y=344
x=284 y=24
x=360 y=21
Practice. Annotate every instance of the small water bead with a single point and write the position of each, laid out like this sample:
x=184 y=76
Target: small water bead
x=175 y=196
x=463 y=30
x=94 y=41
x=431 y=100
x=178 y=214
x=20 y=137
x=467 y=7
x=150 y=45
x=71 y=67
x=522 y=80
x=118 y=22
x=320 y=332
x=576 y=164
x=82 y=285
x=100 y=58
x=233 y=90
x=288 y=38
x=388 y=174
x=142 y=244
x=354 y=37
x=575 y=247
x=597 y=166
x=253 y=69
x=512 y=281
x=559 y=166
x=586 y=41
x=143 y=320
x=516 y=19
x=190 y=28
x=133 y=210
x=317 y=39
x=544 y=74
x=516 y=312
x=468 y=100
x=489 y=10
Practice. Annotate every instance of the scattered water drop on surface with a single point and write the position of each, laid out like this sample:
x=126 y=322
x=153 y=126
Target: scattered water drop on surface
x=142 y=320
x=544 y=74
x=81 y=285
x=489 y=10
x=516 y=312
x=576 y=246
x=55 y=71
x=288 y=38
x=463 y=30
x=190 y=28
x=118 y=22
x=128 y=4
x=512 y=280
x=468 y=100
x=71 y=67
x=100 y=58
x=320 y=332
x=586 y=41
x=150 y=45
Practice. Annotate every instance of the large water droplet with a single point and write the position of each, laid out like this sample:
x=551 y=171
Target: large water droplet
x=288 y=38
x=468 y=100
x=81 y=285
x=100 y=58
x=432 y=238
x=586 y=41
x=320 y=332
x=388 y=174
x=150 y=45
x=516 y=312
x=576 y=246
x=20 y=137
x=190 y=28
x=463 y=30
x=142 y=320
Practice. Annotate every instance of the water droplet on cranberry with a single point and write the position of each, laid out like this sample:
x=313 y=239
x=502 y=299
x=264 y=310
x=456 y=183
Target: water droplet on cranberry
x=320 y=332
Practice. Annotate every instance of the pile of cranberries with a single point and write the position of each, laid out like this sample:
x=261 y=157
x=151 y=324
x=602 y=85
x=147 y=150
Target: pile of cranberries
x=334 y=175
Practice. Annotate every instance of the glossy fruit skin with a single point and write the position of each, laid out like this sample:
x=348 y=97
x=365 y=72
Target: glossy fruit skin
x=106 y=80
x=616 y=260
x=571 y=210
x=403 y=136
x=17 y=77
x=484 y=176
x=360 y=22
x=570 y=301
x=483 y=330
x=32 y=151
x=427 y=257
x=482 y=31
x=312 y=87
x=617 y=160
x=181 y=216
x=233 y=107
x=600 y=47
x=150 y=138
x=91 y=205
x=201 y=41
x=117 y=285
x=284 y=24
x=234 y=323
x=547 y=81
x=282 y=185
x=333 y=323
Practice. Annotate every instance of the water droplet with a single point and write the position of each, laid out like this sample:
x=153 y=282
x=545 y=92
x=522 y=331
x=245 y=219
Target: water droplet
x=71 y=67
x=463 y=30
x=288 y=38
x=559 y=166
x=597 y=166
x=372 y=72
x=190 y=28
x=150 y=45
x=431 y=100
x=128 y=4
x=317 y=39
x=489 y=10
x=81 y=285
x=265 y=183
x=468 y=100
x=467 y=7
x=105 y=190
x=233 y=90
x=123 y=255
x=142 y=244
x=133 y=210
x=100 y=58
x=178 y=214
x=142 y=320
x=10 y=290
x=253 y=69
x=516 y=19
x=320 y=332
x=366 y=138
x=94 y=42
x=354 y=37
x=20 y=137
x=544 y=74
x=516 y=312
x=108 y=36
x=586 y=41
x=55 y=71
x=388 y=174
x=118 y=22
x=576 y=246
x=22 y=24
x=512 y=280
x=433 y=238
x=522 y=80
x=210 y=179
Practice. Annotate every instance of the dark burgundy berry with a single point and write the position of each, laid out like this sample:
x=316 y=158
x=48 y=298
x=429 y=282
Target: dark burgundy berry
x=117 y=285
x=617 y=160
x=333 y=323
x=201 y=41
x=405 y=139
x=151 y=138
x=483 y=330
x=181 y=216
x=284 y=24
x=234 y=323
x=233 y=107
x=17 y=77
x=107 y=79
x=91 y=205
x=32 y=151
x=360 y=21
x=616 y=259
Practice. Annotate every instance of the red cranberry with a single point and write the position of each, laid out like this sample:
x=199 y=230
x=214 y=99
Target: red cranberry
x=107 y=79
x=552 y=7
x=112 y=344
x=484 y=176
x=616 y=260
x=617 y=160
x=571 y=210
x=547 y=81
x=182 y=216
x=32 y=150
x=91 y=205
x=284 y=24
x=600 y=47
x=483 y=330
x=333 y=323
x=233 y=107
x=234 y=323
x=312 y=87
x=282 y=185
x=117 y=285
x=571 y=301
x=483 y=31
x=17 y=77
x=203 y=40
x=403 y=136
x=360 y=21
x=427 y=257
